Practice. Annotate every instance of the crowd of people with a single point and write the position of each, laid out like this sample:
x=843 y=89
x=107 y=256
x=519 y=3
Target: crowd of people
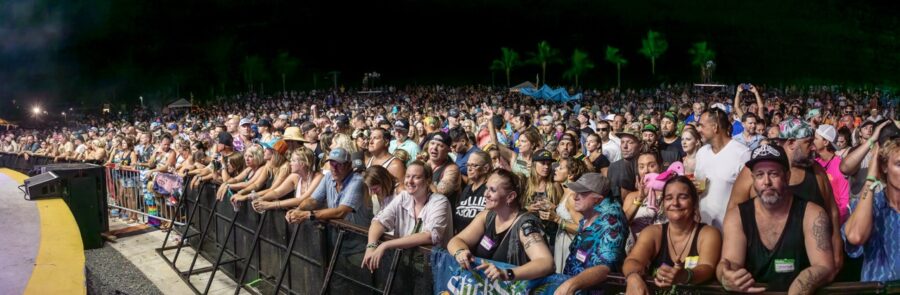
x=792 y=188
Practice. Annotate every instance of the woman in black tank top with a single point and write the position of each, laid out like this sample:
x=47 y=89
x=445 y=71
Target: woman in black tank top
x=503 y=232
x=681 y=251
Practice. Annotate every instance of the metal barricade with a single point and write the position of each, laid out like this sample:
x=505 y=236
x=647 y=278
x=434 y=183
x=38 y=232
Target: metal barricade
x=324 y=257
x=132 y=197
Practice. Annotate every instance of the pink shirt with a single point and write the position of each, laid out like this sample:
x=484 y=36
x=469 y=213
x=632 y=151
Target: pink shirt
x=839 y=185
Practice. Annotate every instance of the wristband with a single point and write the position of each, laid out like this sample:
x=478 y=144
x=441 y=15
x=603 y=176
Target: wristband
x=875 y=184
x=872 y=178
x=871 y=143
x=372 y=245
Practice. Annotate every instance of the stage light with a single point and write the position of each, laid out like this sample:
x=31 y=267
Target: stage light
x=36 y=110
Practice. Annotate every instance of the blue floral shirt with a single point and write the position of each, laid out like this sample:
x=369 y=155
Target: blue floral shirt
x=880 y=260
x=601 y=242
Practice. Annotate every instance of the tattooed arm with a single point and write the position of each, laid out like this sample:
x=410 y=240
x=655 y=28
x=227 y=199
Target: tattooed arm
x=817 y=231
x=541 y=263
x=449 y=183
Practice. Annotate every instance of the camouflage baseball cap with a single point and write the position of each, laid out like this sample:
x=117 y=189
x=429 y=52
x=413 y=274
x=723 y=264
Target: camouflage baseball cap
x=794 y=128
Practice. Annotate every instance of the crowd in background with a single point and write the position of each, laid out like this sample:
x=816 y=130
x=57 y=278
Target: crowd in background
x=792 y=187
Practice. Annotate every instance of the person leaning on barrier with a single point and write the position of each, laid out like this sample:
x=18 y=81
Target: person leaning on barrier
x=681 y=251
x=226 y=169
x=871 y=229
x=255 y=168
x=416 y=215
x=599 y=246
x=504 y=232
x=776 y=238
x=341 y=192
x=277 y=169
x=302 y=180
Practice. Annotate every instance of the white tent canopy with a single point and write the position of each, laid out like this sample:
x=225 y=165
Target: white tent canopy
x=180 y=103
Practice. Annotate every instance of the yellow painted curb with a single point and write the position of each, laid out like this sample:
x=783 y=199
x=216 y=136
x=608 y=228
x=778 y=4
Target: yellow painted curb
x=59 y=265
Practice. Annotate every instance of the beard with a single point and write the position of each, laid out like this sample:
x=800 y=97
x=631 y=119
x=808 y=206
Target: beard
x=668 y=133
x=771 y=198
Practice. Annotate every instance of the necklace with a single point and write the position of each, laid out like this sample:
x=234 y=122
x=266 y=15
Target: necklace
x=678 y=254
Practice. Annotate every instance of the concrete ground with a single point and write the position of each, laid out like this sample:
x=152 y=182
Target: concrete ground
x=140 y=251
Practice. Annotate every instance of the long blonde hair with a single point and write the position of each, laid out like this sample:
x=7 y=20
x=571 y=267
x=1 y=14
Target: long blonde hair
x=554 y=190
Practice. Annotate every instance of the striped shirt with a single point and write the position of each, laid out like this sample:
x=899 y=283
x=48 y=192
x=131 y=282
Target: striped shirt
x=880 y=260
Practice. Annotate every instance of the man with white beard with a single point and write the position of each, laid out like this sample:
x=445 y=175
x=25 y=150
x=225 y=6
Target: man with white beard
x=775 y=238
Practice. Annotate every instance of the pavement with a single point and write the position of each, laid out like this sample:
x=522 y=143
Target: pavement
x=140 y=250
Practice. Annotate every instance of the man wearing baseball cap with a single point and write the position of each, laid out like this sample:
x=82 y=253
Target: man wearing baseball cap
x=402 y=141
x=776 y=238
x=446 y=177
x=338 y=196
x=806 y=180
x=831 y=163
x=599 y=246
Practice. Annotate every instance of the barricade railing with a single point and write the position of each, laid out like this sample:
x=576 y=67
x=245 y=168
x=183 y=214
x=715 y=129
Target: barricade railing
x=325 y=257
x=133 y=198
x=125 y=188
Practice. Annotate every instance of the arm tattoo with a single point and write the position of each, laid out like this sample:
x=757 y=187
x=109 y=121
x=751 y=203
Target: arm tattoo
x=812 y=279
x=531 y=239
x=822 y=231
x=449 y=182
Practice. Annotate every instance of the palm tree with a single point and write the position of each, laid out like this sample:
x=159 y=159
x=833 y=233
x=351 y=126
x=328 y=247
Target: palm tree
x=508 y=60
x=581 y=63
x=285 y=64
x=613 y=56
x=702 y=54
x=544 y=55
x=653 y=47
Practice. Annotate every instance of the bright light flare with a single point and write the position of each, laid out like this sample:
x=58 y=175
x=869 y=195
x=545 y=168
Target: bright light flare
x=36 y=110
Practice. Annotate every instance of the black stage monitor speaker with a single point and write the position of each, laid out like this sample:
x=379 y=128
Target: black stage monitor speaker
x=42 y=186
x=84 y=190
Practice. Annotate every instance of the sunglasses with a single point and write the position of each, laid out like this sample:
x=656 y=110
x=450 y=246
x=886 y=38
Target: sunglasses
x=604 y=129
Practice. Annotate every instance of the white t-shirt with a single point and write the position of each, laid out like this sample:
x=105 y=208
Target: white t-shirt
x=720 y=170
x=612 y=150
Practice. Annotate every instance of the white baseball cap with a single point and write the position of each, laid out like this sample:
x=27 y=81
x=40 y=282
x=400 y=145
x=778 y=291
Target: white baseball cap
x=828 y=133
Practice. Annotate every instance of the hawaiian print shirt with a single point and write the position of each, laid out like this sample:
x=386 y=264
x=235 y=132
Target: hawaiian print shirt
x=601 y=242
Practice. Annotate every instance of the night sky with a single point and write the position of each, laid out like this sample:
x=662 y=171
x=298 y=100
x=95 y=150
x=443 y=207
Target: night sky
x=92 y=51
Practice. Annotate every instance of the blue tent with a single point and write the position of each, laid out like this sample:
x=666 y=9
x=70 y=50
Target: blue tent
x=546 y=93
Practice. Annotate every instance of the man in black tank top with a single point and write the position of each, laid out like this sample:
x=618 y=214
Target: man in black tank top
x=446 y=176
x=810 y=182
x=776 y=238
